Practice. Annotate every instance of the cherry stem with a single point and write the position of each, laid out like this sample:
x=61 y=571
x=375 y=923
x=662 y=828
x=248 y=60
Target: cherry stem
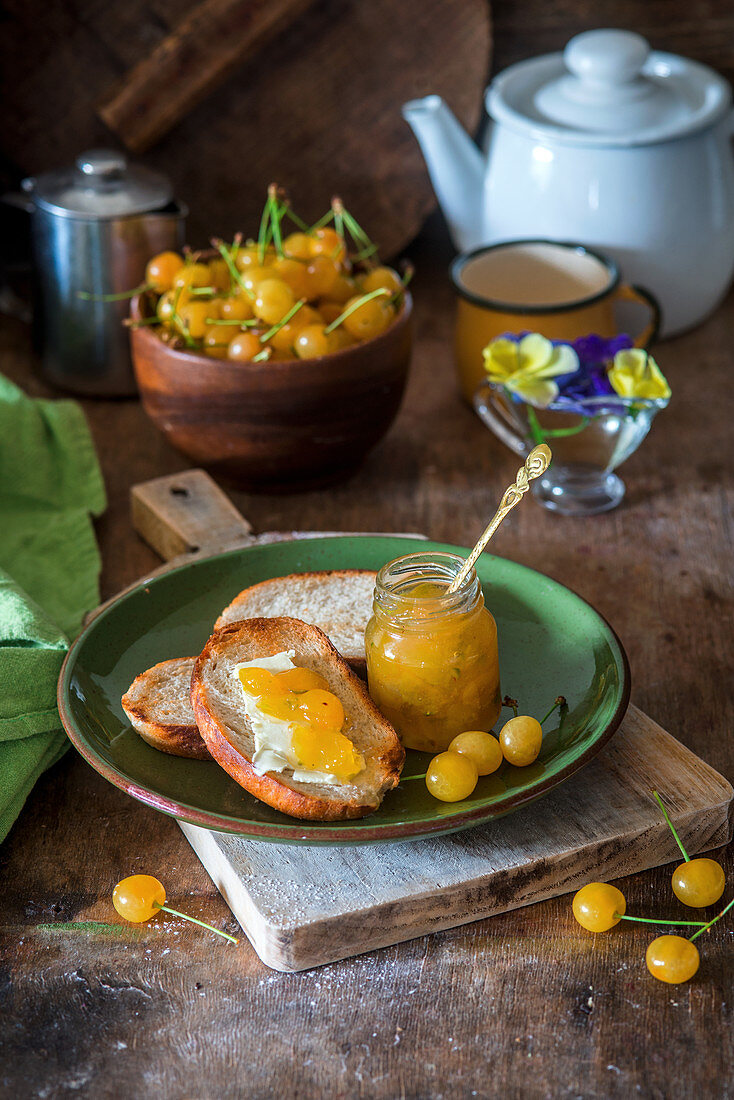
x=194 y=920
x=405 y=778
x=181 y=325
x=721 y=914
x=328 y=216
x=202 y=290
x=299 y=222
x=276 y=216
x=228 y=321
x=649 y=920
x=364 y=254
x=124 y=294
x=659 y=800
x=262 y=234
x=360 y=238
x=355 y=229
x=508 y=701
x=380 y=293
x=187 y=338
x=560 y=702
x=183 y=330
x=407 y=275
x=233 y=272
x=338 y=207
x=262 y=355
x=283 y=321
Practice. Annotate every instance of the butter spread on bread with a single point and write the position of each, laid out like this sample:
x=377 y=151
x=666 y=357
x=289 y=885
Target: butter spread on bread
x=218 y=702
x=276 y=743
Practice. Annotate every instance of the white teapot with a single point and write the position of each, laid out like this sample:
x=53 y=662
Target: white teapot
x=609 y=145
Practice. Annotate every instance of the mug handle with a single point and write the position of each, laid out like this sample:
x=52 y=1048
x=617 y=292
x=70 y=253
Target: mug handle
x=497 y=419
x=629 y=292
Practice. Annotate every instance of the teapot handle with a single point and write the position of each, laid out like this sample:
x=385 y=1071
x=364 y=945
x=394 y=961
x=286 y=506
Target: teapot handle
x=497 y=418
x=627 y=292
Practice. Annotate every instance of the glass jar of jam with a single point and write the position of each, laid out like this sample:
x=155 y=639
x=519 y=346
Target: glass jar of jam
x=432 y=661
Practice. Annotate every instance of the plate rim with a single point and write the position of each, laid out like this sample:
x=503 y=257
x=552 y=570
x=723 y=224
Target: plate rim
x=349 y=831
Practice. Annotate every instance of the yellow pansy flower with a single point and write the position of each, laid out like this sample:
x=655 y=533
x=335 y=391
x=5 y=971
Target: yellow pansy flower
x=634 y=373
x=526 y=367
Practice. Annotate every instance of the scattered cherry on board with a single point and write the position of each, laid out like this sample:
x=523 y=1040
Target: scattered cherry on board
x=137 y=898
x=697 y=883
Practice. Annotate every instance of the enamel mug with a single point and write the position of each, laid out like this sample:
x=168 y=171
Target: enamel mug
x=558 y=289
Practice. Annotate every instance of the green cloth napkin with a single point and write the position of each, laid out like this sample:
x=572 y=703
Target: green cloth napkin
x=50 y=482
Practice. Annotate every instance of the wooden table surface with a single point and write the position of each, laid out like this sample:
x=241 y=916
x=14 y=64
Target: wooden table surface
x=526 y=1004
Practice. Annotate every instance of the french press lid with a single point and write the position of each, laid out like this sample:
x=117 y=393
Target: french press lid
x=100 y=185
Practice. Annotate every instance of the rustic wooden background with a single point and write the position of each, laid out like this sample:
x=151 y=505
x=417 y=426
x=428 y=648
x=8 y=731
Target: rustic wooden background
x=314 y=107
x=522 y=1005
x=60 y=61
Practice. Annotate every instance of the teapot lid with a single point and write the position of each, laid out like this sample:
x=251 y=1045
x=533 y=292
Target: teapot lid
x=100 y=185
x=608 y=88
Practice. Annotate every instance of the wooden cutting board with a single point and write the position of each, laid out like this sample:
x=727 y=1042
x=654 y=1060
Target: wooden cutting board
x=304 y=906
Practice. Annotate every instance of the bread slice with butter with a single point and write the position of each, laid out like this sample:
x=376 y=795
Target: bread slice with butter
x=219 y=704
x=338 y=601
x=158 y=704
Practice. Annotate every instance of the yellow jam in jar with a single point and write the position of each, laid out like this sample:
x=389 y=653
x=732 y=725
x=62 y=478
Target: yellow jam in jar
x=432 y=660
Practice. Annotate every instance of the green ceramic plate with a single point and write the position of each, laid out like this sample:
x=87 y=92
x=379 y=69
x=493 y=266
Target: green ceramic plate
x=551 y=643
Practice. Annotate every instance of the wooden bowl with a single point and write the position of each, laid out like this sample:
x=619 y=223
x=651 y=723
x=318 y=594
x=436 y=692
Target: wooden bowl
x=289 y=421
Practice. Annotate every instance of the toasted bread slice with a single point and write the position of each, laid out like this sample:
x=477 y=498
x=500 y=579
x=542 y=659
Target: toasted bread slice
x=218 y=705
x=158 y=703
x=339 y=602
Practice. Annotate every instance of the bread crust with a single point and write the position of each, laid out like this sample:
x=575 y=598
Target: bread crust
x=266 y=637
x=359 y=664
x=141 y=703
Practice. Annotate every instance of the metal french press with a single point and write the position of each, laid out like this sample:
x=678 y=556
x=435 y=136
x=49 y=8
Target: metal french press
x=93 y=228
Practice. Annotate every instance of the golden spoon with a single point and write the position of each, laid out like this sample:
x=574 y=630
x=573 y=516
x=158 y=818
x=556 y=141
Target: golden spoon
x=536 y=463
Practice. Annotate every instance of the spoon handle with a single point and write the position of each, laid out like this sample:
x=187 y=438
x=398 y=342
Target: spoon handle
x=535 y=464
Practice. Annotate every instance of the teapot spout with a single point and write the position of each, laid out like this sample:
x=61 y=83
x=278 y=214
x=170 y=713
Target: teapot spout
x=454 y=164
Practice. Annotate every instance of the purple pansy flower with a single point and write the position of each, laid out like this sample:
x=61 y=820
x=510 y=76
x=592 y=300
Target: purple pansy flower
x=599 y=349
x=595 y=354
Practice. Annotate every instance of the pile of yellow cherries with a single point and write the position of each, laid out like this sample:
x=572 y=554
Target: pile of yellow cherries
x=697 y=883
x=304 y=294
x=452 y=775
